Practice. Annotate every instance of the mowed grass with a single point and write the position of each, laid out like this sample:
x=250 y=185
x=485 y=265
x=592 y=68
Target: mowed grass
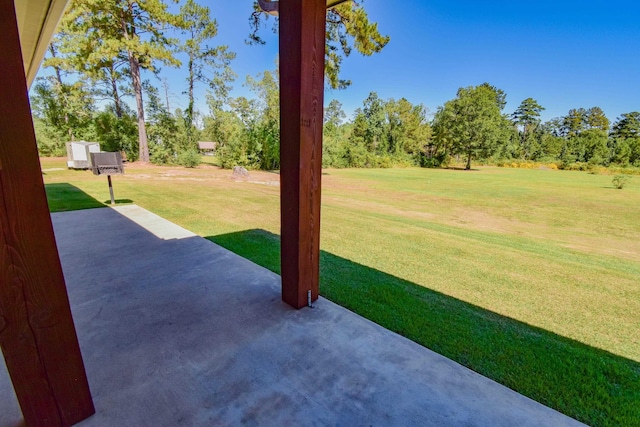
x=530 y=277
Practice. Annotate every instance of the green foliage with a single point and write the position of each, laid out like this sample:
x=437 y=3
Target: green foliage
x=627 y=126
x=383 y=134
x=168 y=133
x=335 y=137
x=578 y=141
x=619 y=181
x=67 y=109
x=345 y=23
x=95 y=52
x=51 y=143
x=407 y=129
x=210 y=65
x=624 y=141
x=471 y=125
x=221 y=125
x=348 y=27
x=527 y=119
x=117 y=133
x=249 y=134
x=580 y=119
x=369 y=125
x=189 y=158
x=100 y=32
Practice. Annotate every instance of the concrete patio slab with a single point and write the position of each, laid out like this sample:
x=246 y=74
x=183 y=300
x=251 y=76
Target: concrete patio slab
x=177 y=331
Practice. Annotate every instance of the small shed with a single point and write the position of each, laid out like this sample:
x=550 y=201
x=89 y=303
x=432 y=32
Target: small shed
x=79 y=154
x=207 y=147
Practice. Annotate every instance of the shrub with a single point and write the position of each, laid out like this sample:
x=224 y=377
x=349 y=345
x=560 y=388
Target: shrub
x=161 y=155
x=189 y=158
x=619 y=181
x=50 y=141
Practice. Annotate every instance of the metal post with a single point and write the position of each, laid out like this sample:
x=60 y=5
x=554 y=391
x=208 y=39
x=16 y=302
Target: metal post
x=113 y=201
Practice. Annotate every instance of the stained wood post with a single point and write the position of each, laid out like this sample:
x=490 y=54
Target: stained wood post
x=37 y=334
x=302 y=49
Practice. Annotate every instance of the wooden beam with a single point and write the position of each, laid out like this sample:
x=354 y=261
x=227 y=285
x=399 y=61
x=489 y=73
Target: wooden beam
x=302 y=49
x=37 y=334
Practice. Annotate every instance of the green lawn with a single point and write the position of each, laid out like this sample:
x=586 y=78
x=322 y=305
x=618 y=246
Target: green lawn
x=530 y=277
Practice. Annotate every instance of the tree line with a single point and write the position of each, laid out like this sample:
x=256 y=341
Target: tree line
x=107 y=51
x=474 y=126
x=97 y=60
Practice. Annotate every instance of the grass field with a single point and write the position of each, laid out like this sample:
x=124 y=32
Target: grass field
x=530 y=277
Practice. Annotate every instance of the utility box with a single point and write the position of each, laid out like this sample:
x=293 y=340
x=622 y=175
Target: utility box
x=79 y=154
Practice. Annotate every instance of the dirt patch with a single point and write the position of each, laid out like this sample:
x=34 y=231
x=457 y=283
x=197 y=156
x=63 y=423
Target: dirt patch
x=203 y=173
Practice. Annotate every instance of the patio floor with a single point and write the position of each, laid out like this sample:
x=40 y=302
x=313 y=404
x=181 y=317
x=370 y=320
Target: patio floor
x=175 y=330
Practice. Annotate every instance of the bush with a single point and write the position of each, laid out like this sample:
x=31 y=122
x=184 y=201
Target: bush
x=161 y=155
x=50 y=142
x=189 y=158
x=619 y=181
x=117 y=134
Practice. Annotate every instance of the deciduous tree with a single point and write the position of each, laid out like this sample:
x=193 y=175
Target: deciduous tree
x=408 y=131
x=473 y=122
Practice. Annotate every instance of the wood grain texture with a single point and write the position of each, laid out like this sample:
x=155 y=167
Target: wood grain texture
x=38 y=337
x=302 y=49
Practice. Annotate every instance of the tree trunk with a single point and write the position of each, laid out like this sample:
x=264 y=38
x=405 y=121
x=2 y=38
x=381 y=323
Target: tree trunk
x=191 y=102
x=134 y=65
x=52 y=51
x=165 y=84
x=525 y=151
x=468 y=167
x=116 y=95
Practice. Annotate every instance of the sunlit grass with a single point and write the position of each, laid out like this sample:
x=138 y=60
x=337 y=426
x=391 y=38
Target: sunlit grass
x=527 y=276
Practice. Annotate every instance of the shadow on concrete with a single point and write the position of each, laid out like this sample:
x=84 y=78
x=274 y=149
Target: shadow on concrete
x=64 y=197
x=586 y=383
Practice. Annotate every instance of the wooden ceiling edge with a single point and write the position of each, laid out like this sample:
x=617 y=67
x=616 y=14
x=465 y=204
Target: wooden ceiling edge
x=55 y=11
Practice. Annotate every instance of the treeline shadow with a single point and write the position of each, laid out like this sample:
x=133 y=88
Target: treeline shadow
x=583 y=382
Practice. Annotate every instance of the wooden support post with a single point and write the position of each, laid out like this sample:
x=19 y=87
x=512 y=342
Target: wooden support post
x=302 y=49
x=37 y=334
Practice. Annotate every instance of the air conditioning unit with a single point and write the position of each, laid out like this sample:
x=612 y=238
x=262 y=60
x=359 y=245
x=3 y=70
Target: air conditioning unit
x=79 y=154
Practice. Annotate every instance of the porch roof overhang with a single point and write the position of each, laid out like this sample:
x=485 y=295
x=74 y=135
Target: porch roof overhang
x=37 y=22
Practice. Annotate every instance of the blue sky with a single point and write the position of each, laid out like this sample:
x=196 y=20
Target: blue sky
x=564 y=54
